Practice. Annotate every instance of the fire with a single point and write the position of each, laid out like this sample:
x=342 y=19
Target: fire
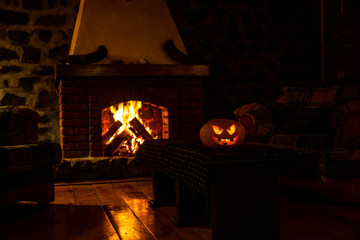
x=126 y=113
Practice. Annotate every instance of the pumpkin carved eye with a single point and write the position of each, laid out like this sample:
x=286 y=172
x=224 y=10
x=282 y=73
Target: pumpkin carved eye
x=217 y=130
x=231 y=130
x=222 y=134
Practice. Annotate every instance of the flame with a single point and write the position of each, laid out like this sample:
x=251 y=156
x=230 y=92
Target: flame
x=125 y=112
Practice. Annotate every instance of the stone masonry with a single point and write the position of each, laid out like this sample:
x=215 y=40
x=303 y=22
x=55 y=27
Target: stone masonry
x=34 y=36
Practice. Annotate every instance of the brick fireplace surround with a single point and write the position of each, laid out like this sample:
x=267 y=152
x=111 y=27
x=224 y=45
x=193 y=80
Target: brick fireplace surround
x=87 y=89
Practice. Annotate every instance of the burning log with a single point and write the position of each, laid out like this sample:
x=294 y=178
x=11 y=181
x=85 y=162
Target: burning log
x=134 y=132
x=114 y=127
x=140 y=129
x=115 y=143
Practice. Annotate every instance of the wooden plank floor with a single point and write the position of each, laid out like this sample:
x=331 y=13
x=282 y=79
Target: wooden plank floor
x=119 y=210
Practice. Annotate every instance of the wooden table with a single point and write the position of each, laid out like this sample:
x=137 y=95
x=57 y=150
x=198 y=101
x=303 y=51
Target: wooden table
x=237 y=190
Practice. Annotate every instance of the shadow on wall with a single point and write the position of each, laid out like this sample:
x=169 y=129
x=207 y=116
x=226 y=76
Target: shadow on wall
x=253 y=47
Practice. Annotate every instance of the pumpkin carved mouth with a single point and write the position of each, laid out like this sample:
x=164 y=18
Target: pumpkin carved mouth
x=222 y=134
x=225 y=141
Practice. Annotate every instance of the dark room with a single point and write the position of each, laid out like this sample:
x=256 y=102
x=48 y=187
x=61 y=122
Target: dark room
x=180 y=119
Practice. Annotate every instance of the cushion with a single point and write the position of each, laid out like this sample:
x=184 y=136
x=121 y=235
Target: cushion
x=253 y=115
x=348 y=92
x=261 y=118
x=347 y=142
x=18 y=125
x=323 y=97
x=314 y=141
x=29 y=164
x=309 y=96
x=307 y=121
x=345 y=118
x=21 y=158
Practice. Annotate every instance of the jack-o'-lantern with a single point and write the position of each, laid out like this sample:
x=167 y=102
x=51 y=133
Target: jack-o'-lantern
x=222 y=134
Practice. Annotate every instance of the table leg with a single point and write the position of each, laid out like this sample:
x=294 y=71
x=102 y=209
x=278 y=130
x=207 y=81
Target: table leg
x=163 y=190
x=245 y=202
x=192 y=207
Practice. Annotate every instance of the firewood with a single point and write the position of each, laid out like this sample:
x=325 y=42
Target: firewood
x=134 y=132
x=111 y=148
x=112 y=130
x=140 y=129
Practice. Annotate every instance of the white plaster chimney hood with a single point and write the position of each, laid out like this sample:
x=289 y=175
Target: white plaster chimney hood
x=129 y=29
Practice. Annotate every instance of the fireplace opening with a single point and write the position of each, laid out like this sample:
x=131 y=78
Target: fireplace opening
x=126 y=125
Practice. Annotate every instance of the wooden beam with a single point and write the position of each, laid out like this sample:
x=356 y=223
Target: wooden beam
x=131 y=70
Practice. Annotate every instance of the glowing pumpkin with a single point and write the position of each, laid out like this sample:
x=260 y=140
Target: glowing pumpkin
x=222 y=134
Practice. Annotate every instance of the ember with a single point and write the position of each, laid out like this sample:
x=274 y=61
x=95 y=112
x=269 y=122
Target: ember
x=126 y=125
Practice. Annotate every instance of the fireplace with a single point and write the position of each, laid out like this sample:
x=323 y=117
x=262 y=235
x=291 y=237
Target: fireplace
x=86 y=91
x=126 y=125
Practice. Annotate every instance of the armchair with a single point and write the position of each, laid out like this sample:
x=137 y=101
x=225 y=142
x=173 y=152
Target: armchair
x=27 y=166
x=325 y=119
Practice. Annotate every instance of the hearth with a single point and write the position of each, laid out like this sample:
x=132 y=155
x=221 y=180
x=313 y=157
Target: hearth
x=170 y=95
x=125 y=126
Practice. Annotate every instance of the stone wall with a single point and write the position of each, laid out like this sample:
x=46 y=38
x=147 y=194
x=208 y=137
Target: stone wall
x=34 y=36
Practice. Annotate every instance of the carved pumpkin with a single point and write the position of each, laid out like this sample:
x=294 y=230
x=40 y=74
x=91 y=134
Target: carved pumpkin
x=222 y=134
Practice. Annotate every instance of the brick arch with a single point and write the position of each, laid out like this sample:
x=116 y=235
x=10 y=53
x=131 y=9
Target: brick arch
x=136 y=94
